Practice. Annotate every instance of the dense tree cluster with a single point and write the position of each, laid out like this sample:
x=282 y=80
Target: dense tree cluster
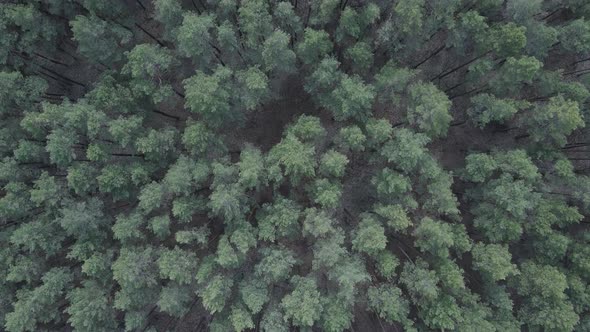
x=280 y=165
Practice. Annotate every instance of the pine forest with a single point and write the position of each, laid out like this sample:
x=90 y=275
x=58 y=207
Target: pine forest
x=295 y=165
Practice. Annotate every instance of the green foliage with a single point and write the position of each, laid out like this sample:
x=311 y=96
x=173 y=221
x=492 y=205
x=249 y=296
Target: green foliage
x=350 y=274
x=253 y=85
x=209 y=95
x=390 y=183
x=314 y=46
x=59 y=147
x=157 y=144
x=328 y=251
x=255 y=22
x=84 y=220
x=26 y=29
x=45 y=191
x=174 y=300
x=406 y=149
x=244 y=237
x=479 y=167
x=515 y=72
x=505 y=200
x=136 y=268
x=197 y=137
x=369 y=237
x=241 y=319
x=254 y=295
x=90 y=309
x=151 y=197
x=110 y=95
x=555 y=120
x=442 y=314
x=409 y=16
x=323 y=80
x=276 y=54
x=551 y=214
x=286 y=18
x=98 y=40
x=351 y=138
x=28 y=151
x=352 y=98
x=294 y=165
x=295 y=158
x=206 y=269
x=388 y=303
x=540 y=39
x=178 y=265
x=107 y=8
x=193 y=36
x=148 y=64
x=437 y=237
x=333 y=163
x=378 y=131
x=273 y=321
x=317 y=222
x=326 y=193
x=98 y=265
x=396 y=216
x=391 y=81
x=323 y=11
x=275 y=265
x=353 y=23
x=420 y=281
x=226 y=255
x=439 y=196
x=303 y=305
x=361 y=56
x=215 y=294
x=228 y=201
x=522 y=11
x=19 y=92
x=199 y=235
x=546 y=303
x=507 y=39
x=36 y=305
x=169 y=12
x=386 y=264
x=226 y=36
x=251 y=168
x=180 y=178
x=575 y=36
x=37 y=237
x=336 y=315
x=513 y=197
x=542 y=281
x=185 y=207
x=125 y=129
x=25 y=269
x=278 y=219
x=307 y=128
x=428 y=109
x=486 y=108
x=493 y=261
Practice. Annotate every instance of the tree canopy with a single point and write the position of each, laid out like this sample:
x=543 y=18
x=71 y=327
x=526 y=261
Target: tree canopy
x=325 y=165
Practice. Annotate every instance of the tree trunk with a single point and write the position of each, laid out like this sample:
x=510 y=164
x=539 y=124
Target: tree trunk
x=166 y=115
x=63 y=77
x=444 y=74
x=141 y=5
x=150 y=35
x=433 y=54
